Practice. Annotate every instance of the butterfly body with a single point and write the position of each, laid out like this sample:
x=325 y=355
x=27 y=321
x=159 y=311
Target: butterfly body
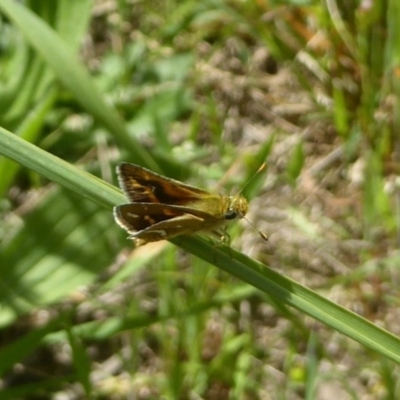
x=161 y=208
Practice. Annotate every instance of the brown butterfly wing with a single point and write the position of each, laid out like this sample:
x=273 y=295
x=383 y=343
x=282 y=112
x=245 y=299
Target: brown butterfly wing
x=136 y=217
x=144 y=186
x=185 y=224
x=149 y=228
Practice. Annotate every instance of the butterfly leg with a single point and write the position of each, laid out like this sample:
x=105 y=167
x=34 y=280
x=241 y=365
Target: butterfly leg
x=224 y=239
x=223 y=236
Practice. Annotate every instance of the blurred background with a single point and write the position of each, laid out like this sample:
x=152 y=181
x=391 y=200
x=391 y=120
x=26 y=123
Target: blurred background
x=203 y=92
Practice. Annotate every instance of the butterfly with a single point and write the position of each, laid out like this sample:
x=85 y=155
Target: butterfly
x=161 y=208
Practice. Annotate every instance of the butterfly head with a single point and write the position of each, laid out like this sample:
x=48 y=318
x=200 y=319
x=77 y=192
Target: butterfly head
x=237 y=207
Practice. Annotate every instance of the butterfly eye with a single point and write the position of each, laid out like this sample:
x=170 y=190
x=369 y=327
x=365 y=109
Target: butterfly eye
x=230 y=214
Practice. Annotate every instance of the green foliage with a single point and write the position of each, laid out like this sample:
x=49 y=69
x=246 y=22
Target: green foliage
x=202 y=91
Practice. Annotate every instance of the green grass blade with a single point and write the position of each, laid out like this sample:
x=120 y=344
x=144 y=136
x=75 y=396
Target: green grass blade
x=59 y=171
x=293 y=294
x=275 y=285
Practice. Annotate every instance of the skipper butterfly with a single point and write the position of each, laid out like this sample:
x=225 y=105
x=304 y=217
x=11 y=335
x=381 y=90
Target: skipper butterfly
x=161 y=208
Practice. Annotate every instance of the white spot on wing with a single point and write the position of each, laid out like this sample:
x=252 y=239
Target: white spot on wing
x=161 y=232
x=133 y=215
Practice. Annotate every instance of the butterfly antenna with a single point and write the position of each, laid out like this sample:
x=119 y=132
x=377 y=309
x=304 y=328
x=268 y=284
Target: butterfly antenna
x=262 y=168
x=262 y=234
